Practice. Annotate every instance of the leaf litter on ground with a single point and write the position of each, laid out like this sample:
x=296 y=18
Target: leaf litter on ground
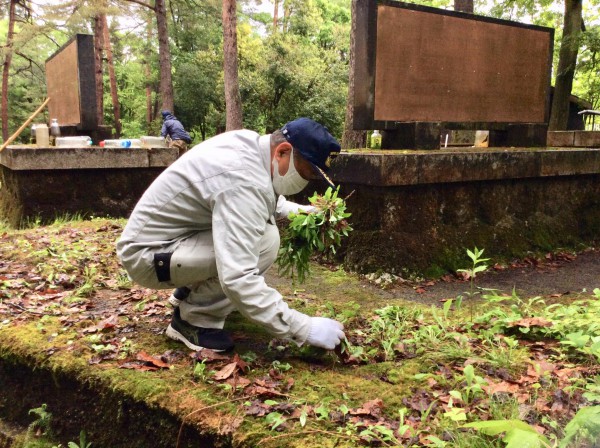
x=416 y=352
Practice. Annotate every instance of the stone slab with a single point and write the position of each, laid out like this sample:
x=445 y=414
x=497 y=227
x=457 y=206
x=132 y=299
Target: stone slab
x=570 y=162
x=32 y=158
x=396 y=168
x=561 y=138
x=587 y=139
x=45 y=183
x=425 y=228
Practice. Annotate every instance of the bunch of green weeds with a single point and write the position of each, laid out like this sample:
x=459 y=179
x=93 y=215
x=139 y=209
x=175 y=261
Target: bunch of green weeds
x=319 y=231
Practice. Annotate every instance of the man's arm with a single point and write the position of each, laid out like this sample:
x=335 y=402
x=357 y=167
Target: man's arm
x=239 y=220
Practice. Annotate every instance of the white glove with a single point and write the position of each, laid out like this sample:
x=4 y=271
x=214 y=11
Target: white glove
x=325 y=333
x=285 y=207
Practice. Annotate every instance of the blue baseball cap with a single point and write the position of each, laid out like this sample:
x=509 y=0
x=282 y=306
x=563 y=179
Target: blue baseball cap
x=314 y=143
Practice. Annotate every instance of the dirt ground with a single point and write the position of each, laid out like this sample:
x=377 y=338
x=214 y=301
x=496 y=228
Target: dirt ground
x=554 y=275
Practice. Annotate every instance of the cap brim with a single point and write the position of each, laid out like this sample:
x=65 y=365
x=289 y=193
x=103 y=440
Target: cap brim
x=323 y=175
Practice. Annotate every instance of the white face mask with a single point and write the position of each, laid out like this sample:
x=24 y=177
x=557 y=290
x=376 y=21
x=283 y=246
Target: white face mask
x=291 y=182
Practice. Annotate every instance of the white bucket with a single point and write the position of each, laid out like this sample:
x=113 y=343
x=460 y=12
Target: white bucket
x=42 y=136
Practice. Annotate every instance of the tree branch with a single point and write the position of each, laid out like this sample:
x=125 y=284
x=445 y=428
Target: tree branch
x=144 y=4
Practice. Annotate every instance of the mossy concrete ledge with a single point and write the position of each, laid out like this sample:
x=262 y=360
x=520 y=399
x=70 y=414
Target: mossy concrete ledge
x=116 y=409
x=418 y=211
x=43 y=183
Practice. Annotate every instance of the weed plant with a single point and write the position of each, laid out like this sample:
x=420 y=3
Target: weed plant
x=320 y=231
x=477 y=265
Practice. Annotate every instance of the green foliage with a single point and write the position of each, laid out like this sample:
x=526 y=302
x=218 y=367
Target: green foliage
x=298 y=69
x=517 y=434
x=585 y=425
x=429 y=369
x=275 y=419
x=43 y=420
x=477 y=265
x=576 y=325
x=83 y=443
x=201 y=371
x=319 y=231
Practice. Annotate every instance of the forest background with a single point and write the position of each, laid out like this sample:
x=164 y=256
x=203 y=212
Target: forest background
x=290 y=58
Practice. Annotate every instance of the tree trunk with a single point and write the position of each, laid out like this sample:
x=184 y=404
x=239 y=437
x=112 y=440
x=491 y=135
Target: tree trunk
x=352 y=138
x=567 y=60
x=286 y=16
x=148 y=73
x=111 y=75
x=233 y=102
x=275 y=15
x=164 y=56
x=6 y=68
x=464 y=6
x=99 y=59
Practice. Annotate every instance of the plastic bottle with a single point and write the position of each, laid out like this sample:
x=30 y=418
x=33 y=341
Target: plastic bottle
x=42 y=137
x=375 y=140
x=54 y=131
x=32 y=136
x=115 y=143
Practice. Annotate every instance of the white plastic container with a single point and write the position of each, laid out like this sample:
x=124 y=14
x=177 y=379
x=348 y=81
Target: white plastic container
x=73 y=142
x=149 y=141
x=42 y=135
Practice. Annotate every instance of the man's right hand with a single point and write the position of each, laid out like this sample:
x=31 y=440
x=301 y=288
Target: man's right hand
x=325 y=333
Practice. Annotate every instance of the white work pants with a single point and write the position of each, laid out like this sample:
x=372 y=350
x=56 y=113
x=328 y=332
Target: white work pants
x=207 y=306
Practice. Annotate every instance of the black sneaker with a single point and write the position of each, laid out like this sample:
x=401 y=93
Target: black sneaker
x=197 y=338
x=178 y=295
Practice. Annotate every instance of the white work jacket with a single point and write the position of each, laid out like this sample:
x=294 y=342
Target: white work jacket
x=223 y=184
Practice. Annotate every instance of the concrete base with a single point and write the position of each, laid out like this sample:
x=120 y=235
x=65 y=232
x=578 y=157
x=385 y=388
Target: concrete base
x=412 y=211
x=45 y=183
x=417 y=211
x=583 y=139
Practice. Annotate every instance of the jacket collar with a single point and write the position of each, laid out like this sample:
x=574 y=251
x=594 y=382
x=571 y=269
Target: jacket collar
x=264 y=143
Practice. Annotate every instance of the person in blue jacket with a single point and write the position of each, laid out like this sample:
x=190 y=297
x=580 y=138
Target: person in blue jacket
x=173 y=129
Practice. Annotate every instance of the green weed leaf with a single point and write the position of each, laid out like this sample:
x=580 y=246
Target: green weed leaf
x=585 y=424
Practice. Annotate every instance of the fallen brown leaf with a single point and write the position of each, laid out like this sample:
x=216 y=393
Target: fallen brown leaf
x=145 y=357
x=503 y=386
x=208 y=355
x=531 y=322
x=226 y=371
x=372 y=408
